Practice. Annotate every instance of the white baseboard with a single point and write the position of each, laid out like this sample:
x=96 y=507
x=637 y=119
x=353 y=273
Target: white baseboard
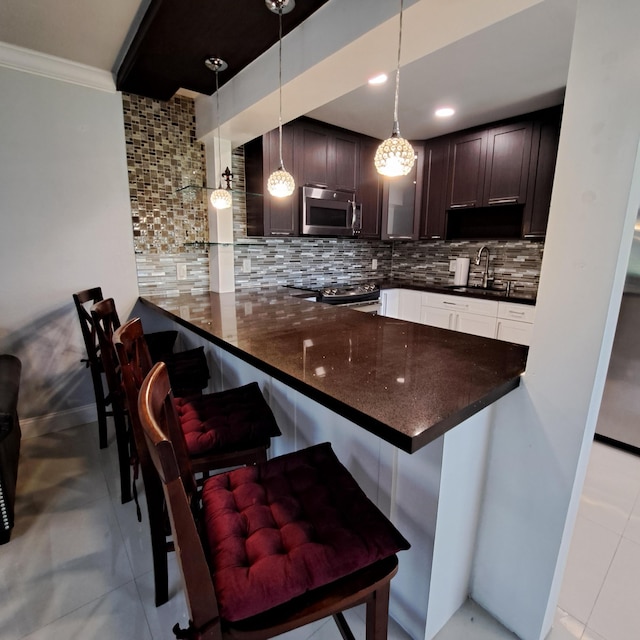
x=58 y=421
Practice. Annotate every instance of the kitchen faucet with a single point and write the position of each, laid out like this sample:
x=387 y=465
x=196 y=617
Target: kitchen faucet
x=485 y=277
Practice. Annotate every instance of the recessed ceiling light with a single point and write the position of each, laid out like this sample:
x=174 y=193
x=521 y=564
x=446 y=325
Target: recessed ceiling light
x=445 y=112
x=379 y=79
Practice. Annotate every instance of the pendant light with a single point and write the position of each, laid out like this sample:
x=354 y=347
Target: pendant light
x=395 y=156
x=280 y=183
x=220 y=198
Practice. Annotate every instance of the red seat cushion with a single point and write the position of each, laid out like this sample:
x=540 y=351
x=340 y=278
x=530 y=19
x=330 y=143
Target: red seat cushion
x=235 y=419
x=281 y=528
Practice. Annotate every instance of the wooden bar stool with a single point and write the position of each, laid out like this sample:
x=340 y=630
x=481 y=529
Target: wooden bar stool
x=190 y=374
x=223 y=429
x=272 y=547
x=160 y=343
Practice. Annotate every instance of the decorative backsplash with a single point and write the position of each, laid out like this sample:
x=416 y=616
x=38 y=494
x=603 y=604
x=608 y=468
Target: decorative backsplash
x=163 y=156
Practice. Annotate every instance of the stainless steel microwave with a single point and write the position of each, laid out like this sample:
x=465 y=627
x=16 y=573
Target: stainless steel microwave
x=329 y=212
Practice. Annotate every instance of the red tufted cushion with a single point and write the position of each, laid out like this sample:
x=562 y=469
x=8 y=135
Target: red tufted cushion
x=229 y=420
x=281 y=528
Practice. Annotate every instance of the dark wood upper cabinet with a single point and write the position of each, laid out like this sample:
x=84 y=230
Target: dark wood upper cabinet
x=402 y=201
x=546 y=135
x=507 y=164
x=266 y=215
x=434 y=194
x=326 y=157
x=467 y=170
x=369 y=189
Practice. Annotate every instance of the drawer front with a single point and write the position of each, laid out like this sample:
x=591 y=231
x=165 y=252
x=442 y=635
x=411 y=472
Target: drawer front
x=515 y=311
x=461 y=303
x=514 y=331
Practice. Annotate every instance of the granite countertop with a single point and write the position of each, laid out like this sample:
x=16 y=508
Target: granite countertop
x=520 y=296
x=406 y=383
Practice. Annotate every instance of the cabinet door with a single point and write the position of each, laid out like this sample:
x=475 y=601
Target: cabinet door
x=369 y=191
x=507 y=168
x=476 y=324
x=401 y=202
x=436 y=161
x=543 y=165
x=410 y=305
x=390 y=303
x=467 y=170
x=514 y=331
x=346 y=157
x=280 y=214
x=313 y=155
x=437 y=317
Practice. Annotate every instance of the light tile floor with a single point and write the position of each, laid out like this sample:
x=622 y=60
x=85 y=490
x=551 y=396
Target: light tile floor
x=78 y=564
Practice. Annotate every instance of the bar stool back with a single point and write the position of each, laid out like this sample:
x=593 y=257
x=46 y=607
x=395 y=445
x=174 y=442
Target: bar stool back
x=224 y=429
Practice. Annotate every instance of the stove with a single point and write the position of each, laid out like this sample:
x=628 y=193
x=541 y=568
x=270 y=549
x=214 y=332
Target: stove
x=349 y=294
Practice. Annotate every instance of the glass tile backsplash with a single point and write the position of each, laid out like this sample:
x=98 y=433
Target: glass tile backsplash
x=164 y=155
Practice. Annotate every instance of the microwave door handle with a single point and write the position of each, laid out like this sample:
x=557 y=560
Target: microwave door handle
x=354 y=209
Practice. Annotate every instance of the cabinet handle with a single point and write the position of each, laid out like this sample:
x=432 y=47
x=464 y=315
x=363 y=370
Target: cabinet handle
x=436 y=237
x=468 y=205
x=280 y=233
x=516 y=313
x=493 y=201
x=455 y=304
x=533 y=235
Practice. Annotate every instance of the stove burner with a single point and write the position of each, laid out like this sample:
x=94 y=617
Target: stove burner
x=349 y=293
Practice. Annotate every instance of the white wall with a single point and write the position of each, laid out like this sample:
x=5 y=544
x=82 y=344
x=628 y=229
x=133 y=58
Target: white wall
x=64 y=226
x=543 y=431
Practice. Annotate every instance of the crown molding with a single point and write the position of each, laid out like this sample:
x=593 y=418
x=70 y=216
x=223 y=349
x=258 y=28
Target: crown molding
x=42 y=64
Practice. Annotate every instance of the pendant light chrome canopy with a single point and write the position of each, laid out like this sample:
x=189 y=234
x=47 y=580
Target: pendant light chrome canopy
x=280 y=183
x=220 y=198
x=395 y=155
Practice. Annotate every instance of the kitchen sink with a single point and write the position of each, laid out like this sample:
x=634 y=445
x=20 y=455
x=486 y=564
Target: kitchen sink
x=479 y=290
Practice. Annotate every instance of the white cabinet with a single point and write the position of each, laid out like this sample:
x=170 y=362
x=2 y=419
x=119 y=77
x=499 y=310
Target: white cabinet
x=508 y=321
x=410 y=305
x=389 y=303
x=515 y=322
x=467 y=315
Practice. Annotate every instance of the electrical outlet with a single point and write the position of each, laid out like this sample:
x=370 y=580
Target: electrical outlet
x=374 y=264
x=246 y=265
x=181 y=269
x=452 y=266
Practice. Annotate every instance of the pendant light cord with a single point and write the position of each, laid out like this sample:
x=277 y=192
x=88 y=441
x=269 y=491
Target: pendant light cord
x=218 y=127
x=396 y=126
x=280 y=85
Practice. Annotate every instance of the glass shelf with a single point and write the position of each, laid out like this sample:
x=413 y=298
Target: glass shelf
x=241 y=242
x=192 y=188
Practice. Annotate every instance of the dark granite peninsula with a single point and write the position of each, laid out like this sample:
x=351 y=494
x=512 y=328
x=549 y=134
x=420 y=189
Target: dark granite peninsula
x=408 y=409
x=404 y=382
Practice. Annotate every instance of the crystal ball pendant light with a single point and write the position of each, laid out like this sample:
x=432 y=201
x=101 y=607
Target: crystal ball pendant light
x=280 y=183
x=395 y=155
x=220 y=198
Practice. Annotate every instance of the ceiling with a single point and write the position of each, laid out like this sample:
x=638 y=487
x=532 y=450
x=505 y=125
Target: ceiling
x=154 y=47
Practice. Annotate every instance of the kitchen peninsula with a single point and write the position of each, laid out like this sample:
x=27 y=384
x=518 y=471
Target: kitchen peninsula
x=406 y=383
x=382 y=391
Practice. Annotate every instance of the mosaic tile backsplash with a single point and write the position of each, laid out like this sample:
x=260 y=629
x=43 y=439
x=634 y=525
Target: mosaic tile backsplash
x=163 y=156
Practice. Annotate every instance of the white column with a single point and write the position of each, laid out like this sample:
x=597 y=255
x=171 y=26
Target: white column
x=543 y=431
x=221 y=257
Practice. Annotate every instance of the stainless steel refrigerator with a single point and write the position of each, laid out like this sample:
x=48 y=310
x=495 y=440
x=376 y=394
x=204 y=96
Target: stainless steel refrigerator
x=619 y=418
